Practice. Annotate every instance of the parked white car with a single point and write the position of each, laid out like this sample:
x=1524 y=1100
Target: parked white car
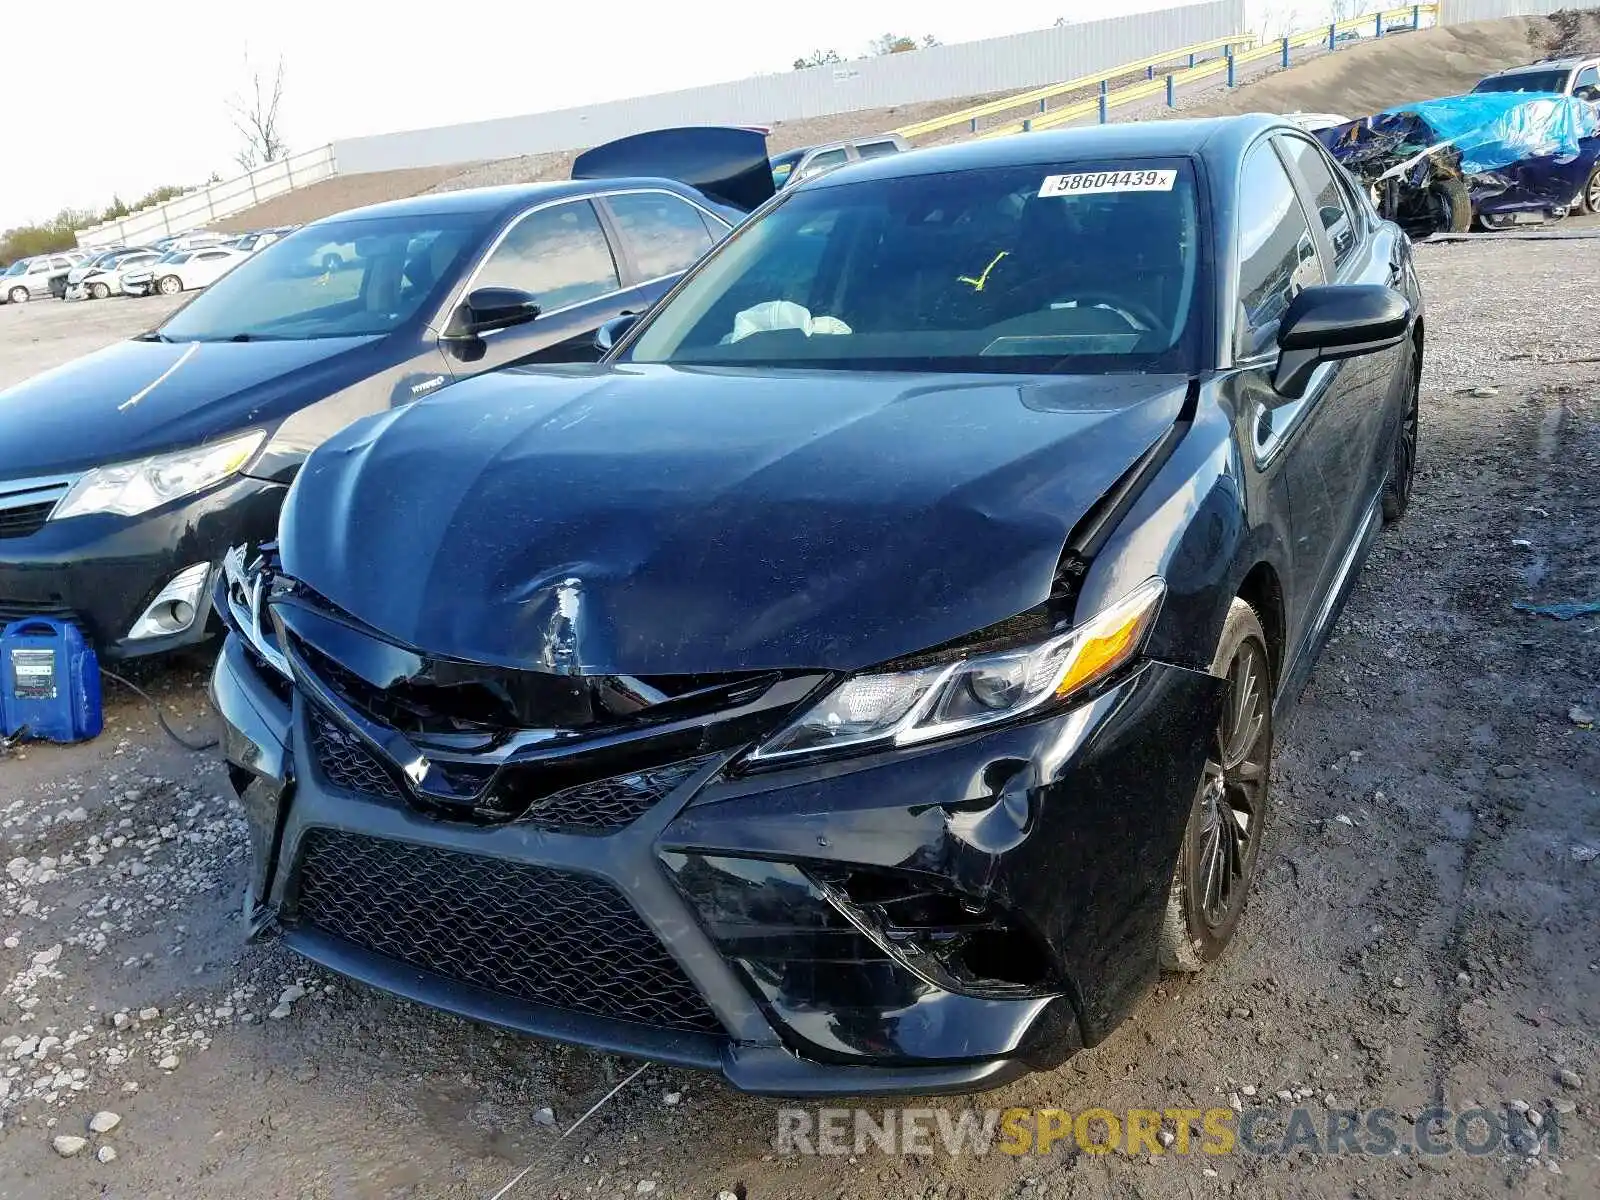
x=30 y=277
x=182 y=270
x=106 y=279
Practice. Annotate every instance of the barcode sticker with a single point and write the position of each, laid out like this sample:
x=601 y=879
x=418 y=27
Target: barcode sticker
x=1094 y=183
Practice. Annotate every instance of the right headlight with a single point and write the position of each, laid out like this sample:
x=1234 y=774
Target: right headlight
x=903 y=708
x=129 y=489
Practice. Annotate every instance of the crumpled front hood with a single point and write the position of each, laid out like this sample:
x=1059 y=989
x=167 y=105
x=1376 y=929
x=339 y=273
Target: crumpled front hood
x=655 y=520
x=137 y=398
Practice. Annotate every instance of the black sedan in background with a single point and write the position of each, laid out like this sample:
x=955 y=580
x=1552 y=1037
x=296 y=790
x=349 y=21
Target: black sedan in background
x=866 y=677
x=125 y=475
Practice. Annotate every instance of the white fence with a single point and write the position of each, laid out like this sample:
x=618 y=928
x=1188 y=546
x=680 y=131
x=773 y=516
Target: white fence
x=197 y=208
x=1457 y=12
x=940 y=73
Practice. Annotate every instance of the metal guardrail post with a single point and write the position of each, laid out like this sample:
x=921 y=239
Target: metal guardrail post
x=1171 y=102
x=1416 y=16
x=1043 y=103
x=1150 y=71
x=1230 y=70
x=1105 y=86
x=1191 y=60
x=1102 y=108
x=1027 y=125
x=1333 y=37
x=972 y=125
x=1377 y=24
x=1285 y=60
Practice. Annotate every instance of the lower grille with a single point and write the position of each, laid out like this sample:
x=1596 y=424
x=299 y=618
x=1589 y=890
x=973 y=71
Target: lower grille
x=536 y=934
x=24 y=610
x=25 y=521
x=346 y=762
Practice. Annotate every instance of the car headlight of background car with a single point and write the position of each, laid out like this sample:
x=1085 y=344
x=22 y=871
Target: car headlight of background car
x=137 y=487
x=903 y=708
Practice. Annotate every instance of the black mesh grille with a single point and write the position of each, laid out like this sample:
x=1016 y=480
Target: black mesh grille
x=608 y=804
x=346 y=763
x=23 y=610
x=24 y=521
x=534 y=933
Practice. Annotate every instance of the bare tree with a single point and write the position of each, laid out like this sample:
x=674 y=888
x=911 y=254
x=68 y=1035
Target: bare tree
x=255 y=116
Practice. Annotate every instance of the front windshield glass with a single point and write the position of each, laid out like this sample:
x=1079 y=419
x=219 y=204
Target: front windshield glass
x=1525 y=81
x=1080 y=267
x=20 y=267
x=340 y=278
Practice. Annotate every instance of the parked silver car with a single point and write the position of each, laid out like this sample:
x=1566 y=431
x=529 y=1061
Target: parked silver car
x=807 y=161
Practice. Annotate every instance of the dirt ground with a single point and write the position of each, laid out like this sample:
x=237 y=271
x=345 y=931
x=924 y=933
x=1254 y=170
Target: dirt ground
x=1423 y=930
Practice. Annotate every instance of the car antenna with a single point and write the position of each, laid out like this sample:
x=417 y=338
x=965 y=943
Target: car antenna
x=571 y=1129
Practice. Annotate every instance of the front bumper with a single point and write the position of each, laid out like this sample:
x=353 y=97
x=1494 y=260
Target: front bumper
x=101 y=572
x=1070 y=824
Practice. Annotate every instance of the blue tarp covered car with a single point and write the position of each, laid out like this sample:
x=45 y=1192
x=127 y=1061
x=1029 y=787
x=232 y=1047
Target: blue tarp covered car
x=1501 y=158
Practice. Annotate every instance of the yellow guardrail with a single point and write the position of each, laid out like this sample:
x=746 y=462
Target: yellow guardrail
x=1040 y=95
x=1280 y=47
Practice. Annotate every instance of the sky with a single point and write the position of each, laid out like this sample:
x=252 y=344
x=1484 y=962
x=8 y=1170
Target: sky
x=135 y=107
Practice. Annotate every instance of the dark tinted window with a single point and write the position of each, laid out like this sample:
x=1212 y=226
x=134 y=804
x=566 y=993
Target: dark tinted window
x=1525 y=81
x=1277 y=256
x=1326 y=195
x=560 y=254
x=663 y=232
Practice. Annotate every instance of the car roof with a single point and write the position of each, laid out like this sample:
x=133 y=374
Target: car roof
x=1211 y=138
x=505 y=199
x=1550 y=64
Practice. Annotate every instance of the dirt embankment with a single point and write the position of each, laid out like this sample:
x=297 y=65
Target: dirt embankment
x=1373 y=75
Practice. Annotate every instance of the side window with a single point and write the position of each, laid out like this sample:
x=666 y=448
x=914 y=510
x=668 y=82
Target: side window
x=1589 y=77
x=874 y=149
x=824 y=160
x=663 y=232
x=1327 y=196
x=560 y=254
x=1277 y=256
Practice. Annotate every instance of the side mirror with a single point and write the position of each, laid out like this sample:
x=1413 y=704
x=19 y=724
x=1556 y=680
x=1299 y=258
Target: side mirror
x=609 y=334
x=1588 y=92
x=489 y=308
x=1335 y=321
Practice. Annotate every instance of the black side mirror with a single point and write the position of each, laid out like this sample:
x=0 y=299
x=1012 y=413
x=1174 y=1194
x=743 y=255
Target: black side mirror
x=1588 y=92
x=489 y=308
x=609 y=334
x=1336 y=321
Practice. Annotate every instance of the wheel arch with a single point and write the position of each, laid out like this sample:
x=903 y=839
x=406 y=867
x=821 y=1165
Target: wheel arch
x=1262 y=590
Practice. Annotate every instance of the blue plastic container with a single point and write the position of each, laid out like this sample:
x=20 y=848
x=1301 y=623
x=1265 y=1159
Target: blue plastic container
x=49 y=683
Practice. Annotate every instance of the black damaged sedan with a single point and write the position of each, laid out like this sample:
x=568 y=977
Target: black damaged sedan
x=866 y=678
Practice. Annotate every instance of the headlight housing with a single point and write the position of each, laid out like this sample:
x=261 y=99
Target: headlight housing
x=903 y=708
x=137 y=487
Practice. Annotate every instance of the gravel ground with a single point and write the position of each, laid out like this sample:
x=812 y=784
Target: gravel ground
x=1423 y=930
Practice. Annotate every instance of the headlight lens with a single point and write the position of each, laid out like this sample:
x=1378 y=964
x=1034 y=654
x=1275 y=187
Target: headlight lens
x=906 y=707
x=133 y=488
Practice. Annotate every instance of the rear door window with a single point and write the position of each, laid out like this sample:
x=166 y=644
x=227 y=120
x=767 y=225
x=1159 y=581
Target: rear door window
x=1326 y=195
x=663 y=233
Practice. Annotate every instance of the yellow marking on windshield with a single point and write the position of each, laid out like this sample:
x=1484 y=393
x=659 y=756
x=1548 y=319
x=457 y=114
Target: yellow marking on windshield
x=977 y=284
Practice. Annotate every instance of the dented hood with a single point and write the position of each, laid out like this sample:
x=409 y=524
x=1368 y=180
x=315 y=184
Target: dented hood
x=660 y=520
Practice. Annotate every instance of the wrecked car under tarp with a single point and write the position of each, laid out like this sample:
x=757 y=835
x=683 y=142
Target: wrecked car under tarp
x=1503 y=158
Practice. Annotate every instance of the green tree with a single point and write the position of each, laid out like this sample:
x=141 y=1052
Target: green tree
x=818 y=58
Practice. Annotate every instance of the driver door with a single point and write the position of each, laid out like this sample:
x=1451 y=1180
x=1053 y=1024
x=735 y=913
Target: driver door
x=560 y=254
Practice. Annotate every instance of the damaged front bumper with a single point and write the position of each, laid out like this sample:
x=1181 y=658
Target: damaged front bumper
x=940 y=919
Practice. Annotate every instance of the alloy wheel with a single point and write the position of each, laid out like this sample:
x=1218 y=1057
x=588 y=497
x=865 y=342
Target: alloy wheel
x=1233 y=792
x=170 y=285
x=18 y=295
x=1591 y=193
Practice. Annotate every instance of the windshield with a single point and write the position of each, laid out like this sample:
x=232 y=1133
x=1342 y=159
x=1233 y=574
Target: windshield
x=783 y=166
x=1081 y=267
x=339 y=278
x=1525 y=81
x=20 y=267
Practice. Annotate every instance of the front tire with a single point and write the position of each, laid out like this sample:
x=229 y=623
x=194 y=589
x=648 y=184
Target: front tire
x=1591 y=193
x=99 y=291
x=169 y=285
x=1222 y=840
x=1453 y=202
x=18 y=295
x=1403 y=465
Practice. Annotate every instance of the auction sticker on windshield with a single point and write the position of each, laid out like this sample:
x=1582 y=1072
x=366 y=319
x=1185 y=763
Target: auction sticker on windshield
x=1094 y=183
